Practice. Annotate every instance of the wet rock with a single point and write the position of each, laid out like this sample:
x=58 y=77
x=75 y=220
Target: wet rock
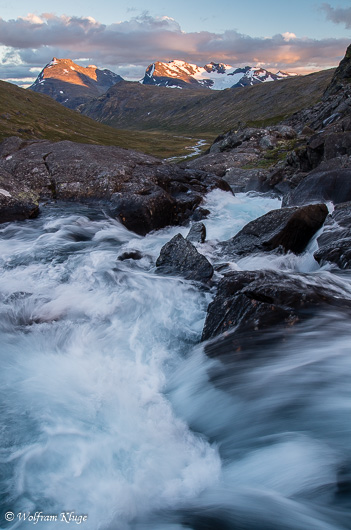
x=131 y=254
x=179 y=256
x=197 y=233
x=200 y=213
x=288 y=228
x=335 y=241
x=321 y=186
x=142 y=191
x=249 y=302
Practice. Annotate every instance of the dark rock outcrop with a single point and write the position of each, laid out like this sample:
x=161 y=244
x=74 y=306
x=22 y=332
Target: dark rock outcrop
x=342 y=75
x=335 y=241
x=287 y=228
x=179 y=256
x=250 y=302
x=142 y=191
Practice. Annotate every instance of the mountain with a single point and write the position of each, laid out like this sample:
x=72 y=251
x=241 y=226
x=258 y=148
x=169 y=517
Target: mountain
x=218 y=76
x=36 y=116
x=71 y=84
x=137 y=106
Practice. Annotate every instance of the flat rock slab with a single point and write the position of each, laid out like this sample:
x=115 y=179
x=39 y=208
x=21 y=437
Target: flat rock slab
x=179 y=256
x=142 y=191
x=287 y=228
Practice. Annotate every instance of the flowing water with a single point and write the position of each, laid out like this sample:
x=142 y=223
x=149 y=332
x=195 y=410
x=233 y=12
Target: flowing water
x=112 y=416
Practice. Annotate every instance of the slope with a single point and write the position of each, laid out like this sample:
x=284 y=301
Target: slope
x=134 y=106
x=31 y=115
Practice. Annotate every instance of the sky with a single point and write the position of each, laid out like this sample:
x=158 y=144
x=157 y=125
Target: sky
x=299 y=36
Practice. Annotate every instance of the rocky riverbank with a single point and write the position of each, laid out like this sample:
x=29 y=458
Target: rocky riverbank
x=141 y=191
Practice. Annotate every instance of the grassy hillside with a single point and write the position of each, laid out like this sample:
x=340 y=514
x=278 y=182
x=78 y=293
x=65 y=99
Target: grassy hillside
x=135 y=106
x=30 y=115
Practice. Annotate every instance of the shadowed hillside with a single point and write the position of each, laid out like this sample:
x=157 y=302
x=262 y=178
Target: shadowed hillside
x=135 y=106
x=30 y=115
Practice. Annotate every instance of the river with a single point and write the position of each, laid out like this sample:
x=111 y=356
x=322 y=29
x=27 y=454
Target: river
x=112 y=416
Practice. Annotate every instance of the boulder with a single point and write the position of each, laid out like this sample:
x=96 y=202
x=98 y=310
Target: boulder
x=335 y=241
x=289 y=229
x=321 y=186
x=197 y=233
x=142 y=191
x=248 y=303
x=179 y=256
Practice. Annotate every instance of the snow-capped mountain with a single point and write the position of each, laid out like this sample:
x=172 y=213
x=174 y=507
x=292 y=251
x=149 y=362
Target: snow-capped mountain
x=217 y=76
x=71 y=84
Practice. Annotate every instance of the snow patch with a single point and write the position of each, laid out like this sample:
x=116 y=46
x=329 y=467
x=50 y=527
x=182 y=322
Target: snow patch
x=4 y=192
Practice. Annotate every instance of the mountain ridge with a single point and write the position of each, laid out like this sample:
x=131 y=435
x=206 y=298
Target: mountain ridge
x=216 y=76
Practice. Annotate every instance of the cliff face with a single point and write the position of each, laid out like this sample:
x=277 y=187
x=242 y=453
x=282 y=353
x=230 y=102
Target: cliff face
x=342 y=76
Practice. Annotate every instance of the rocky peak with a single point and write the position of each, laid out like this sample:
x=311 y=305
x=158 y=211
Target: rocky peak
x=342 y=76
x=72 y=84
x=217 y=76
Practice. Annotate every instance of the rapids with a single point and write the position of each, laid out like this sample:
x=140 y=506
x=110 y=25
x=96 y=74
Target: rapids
x=111 y=410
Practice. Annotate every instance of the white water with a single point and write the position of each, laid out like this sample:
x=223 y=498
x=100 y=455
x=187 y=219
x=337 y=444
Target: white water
x=111 y=409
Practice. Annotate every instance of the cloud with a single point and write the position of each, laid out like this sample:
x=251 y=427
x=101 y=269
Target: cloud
x=129 y=46
x=338 y=15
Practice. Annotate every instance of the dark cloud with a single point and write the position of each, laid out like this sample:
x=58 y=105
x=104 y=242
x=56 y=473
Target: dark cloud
x=131 y=45
x=339 y=15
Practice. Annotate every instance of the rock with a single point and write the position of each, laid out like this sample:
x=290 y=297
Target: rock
x=268 y=142
x=131 y=254
x=242 y=180
x=335 y=241
x=321 y=186
x=219 y=163
x=17 y=201
x=200 y=213
x=231 y=140
x=142 y=191
x=179 y=256
x=197 y=233
x=282 y=131
x=288 y=228
x=249 y=302
x=341 y=76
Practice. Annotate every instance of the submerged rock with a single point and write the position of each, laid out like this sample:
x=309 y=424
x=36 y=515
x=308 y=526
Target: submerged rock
x=131 y=254
x=287 y=228
x=249 y=302
x=179 y=256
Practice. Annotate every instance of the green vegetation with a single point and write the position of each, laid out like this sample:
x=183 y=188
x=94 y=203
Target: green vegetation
x=30 y=115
